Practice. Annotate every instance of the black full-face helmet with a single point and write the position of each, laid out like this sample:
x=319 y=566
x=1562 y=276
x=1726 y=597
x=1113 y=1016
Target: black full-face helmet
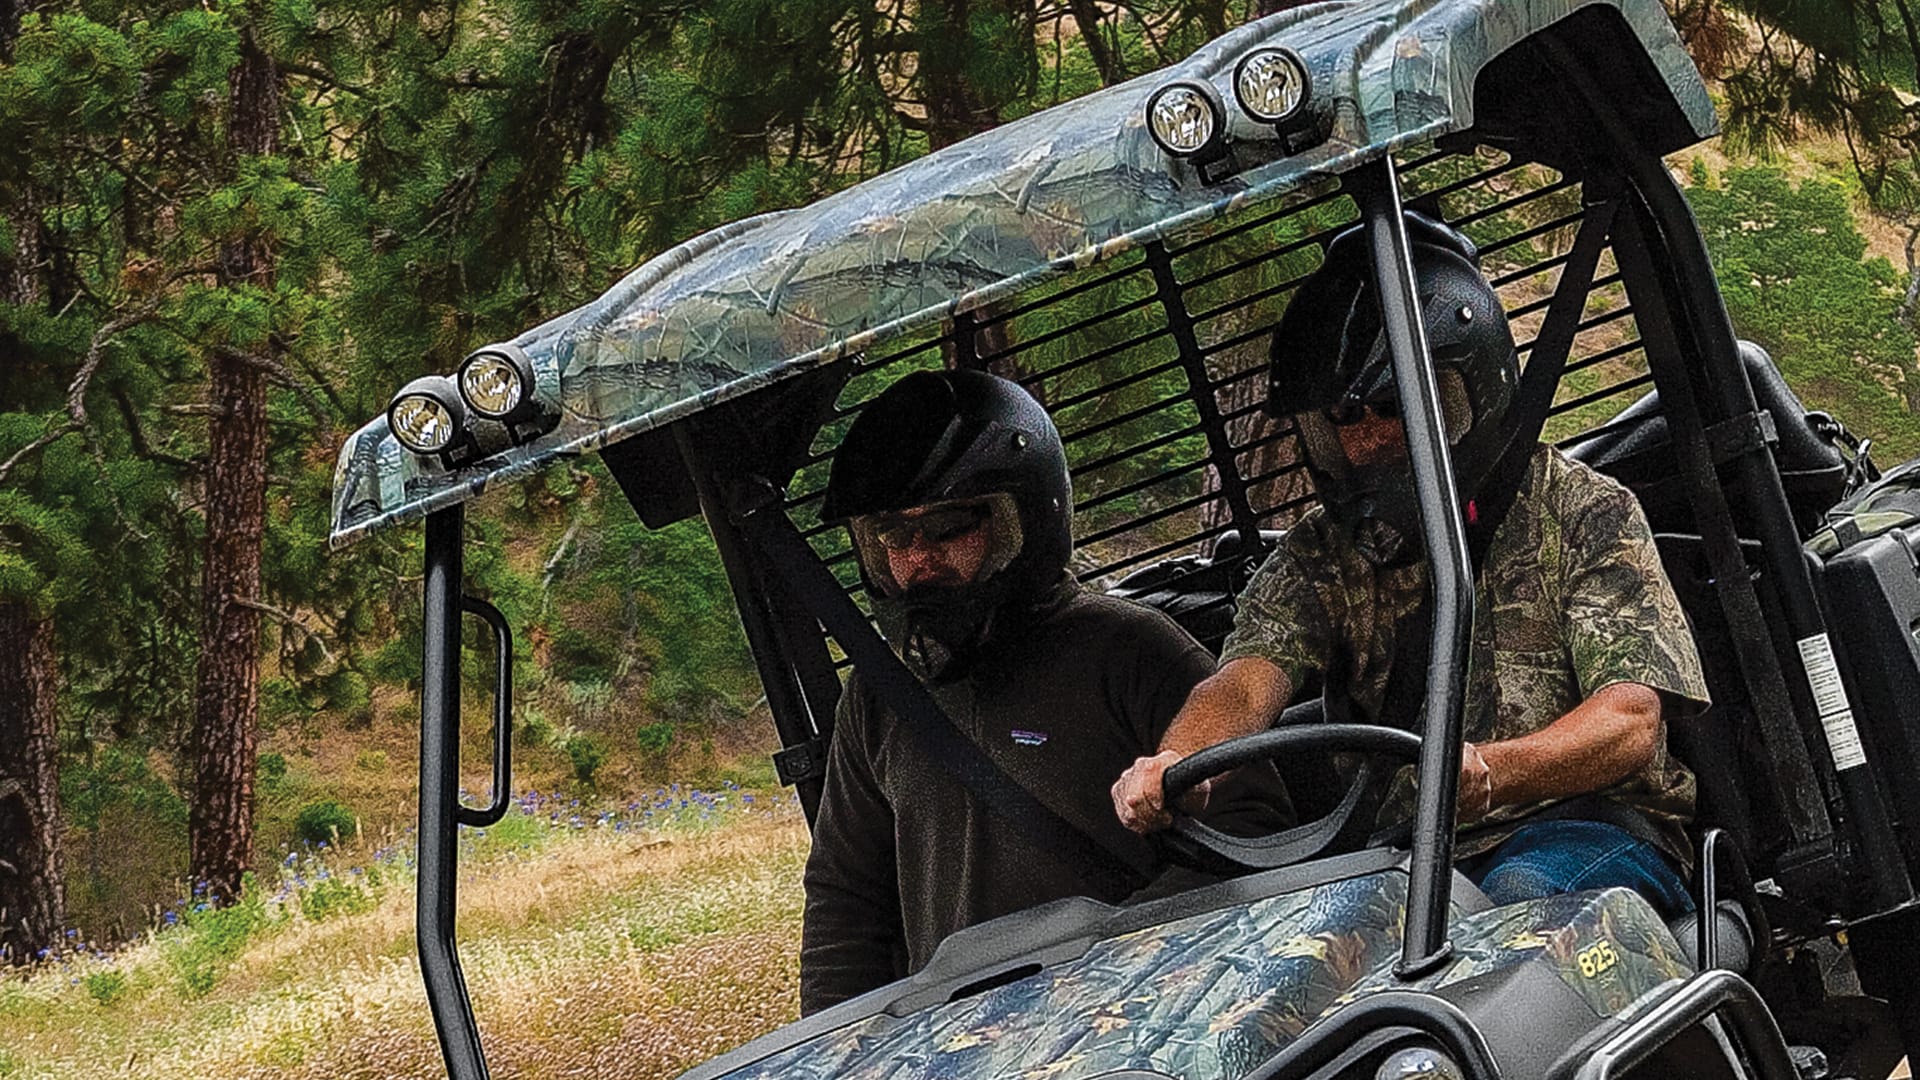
x=959 y=450
x=1331 y=367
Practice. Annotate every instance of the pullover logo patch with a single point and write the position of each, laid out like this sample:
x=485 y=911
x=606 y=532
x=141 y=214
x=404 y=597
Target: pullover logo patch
x=1029 y=738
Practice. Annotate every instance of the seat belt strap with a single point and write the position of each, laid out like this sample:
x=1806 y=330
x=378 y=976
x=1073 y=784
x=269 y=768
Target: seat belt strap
x=760 y=517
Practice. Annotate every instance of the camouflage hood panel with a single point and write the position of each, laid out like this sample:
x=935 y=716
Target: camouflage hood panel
x=762 y=299
x=1216 y=994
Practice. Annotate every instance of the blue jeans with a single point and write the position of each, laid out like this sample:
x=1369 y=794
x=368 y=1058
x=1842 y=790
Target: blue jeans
x=1547 y=858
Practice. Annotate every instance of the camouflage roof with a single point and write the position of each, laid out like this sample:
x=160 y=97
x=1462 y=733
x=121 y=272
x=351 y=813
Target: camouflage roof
x=769 y=297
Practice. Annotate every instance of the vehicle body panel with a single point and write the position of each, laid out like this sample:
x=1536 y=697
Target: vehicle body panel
x=1218 y=993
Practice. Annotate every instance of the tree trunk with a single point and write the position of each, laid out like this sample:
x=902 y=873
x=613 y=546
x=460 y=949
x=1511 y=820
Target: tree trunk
x=955 y=108
x=1093 y=32
x=32 y=899
x=226 y=700
x=10 y=13
x=20 y=271
x=1267 y=494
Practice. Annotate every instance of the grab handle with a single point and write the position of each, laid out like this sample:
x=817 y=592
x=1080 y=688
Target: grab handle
x=502 y=718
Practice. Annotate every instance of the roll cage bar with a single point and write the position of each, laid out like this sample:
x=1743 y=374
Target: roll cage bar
x=1837 y=818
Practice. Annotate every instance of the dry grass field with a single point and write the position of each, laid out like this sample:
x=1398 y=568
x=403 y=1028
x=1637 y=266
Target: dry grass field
x=620 y=946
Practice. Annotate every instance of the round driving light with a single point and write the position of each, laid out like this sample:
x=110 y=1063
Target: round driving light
x=490 y=385
x=1271 y=85
x=1419 y=1063
x=427 y=416
x=1185 y=118
x=497 y=382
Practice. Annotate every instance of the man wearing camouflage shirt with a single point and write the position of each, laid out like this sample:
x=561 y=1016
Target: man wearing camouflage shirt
x=1580 y=650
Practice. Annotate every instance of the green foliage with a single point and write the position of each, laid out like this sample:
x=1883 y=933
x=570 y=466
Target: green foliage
x=119 y=776
x=517 y=832
x=211 y=938
x=336 y=895
x=105 y=986
x=582 y=657
x=326 y=822
x=535 y=729
x=585 y=754
x=272 y=770
x=1793 y=268
x=655 y=737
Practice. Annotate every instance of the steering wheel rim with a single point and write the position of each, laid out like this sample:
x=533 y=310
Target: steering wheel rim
x=1184 y=775
x=1195 y=844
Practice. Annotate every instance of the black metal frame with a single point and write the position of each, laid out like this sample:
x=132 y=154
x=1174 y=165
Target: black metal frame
x=1838 y=819
x=1711 y=994
x=1450 y=572
x=435 y=903
x=1696 y=365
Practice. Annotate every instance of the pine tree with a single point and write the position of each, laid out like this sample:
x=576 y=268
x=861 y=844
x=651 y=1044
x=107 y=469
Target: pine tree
x=32 y=890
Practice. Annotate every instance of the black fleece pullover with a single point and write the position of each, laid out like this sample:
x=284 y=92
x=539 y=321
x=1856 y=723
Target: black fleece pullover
x=904 y=855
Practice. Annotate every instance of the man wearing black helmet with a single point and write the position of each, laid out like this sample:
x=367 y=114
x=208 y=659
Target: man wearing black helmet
x=1580 y=650
x=954 y=488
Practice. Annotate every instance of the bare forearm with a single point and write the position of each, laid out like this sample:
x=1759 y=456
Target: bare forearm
x=1607 y=737
x=1241 y=698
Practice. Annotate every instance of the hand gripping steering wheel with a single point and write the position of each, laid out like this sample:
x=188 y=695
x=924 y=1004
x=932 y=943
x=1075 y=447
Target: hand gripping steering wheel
x=1201 y=846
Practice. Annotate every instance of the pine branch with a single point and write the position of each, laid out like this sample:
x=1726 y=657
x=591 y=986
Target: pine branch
x=286 y=617
x=137 y=434
x=77 y=419
x=323 y=77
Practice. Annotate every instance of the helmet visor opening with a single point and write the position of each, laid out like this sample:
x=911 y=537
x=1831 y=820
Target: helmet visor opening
x=935 y=543
x=1351 y=436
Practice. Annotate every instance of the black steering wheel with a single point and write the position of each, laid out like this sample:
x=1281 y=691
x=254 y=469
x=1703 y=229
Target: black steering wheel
x=1200 y=846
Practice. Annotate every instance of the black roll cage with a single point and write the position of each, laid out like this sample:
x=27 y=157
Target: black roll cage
x=1840 y=826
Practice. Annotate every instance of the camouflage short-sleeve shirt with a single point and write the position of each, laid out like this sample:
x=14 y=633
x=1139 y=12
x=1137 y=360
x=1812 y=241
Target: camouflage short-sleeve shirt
x=1571 y=599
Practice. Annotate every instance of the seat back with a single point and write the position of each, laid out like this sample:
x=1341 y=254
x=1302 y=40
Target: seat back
x=1722 y=746
x=1635 y=449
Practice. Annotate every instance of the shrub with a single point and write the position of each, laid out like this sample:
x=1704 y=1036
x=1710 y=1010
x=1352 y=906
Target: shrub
x=370 y=760
x=272 y=770
x=578 y=656
x=655 y=738
x=215 y=936
x=535 y=729
x=586 y=754
x=105 y=987
x=332 y=896
x=326 y=821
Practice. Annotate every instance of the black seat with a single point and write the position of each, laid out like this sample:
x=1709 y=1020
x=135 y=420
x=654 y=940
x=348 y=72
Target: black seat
x=1733 y=948
x=1722 y=746
x=1634 y=449
x=1198 y=591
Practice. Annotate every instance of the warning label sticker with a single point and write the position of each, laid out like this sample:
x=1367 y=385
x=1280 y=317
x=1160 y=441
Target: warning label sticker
x=1830 y=700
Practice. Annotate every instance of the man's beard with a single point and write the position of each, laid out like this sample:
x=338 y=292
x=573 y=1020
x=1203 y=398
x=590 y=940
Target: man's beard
x=938 y=630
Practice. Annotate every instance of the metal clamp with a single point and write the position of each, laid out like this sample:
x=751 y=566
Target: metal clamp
x=801 y=762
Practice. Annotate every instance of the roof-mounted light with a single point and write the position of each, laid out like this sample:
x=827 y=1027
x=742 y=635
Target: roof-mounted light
x=1187 y=119
x=497 y=383
x=1272 y=85
x=427 y=415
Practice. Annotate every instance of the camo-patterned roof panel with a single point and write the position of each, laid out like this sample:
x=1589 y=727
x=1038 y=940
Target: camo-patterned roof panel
x=765 y=298
x=1217 y=994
